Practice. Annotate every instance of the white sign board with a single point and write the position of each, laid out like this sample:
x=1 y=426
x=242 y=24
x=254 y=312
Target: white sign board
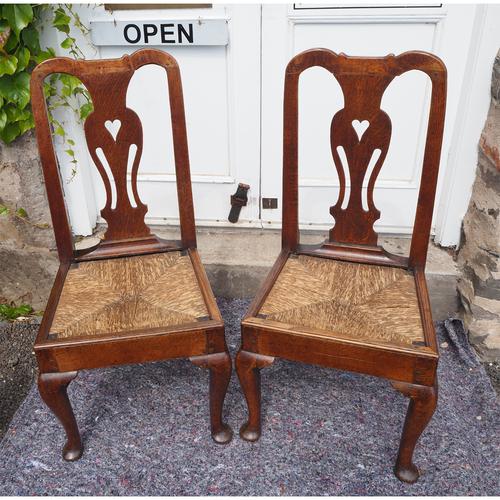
x=168 y=32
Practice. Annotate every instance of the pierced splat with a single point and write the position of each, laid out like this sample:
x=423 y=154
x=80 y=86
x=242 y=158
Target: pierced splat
x=115 y=141
x=360 y=128
x=115 y=137
x=360 y=135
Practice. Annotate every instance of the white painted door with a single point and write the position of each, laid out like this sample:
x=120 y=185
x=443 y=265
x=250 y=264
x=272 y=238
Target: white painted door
x=234 y=108
x=290 y=29
x=221 y=85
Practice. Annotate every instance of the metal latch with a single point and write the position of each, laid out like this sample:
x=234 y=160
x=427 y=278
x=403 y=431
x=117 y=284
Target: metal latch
x=238 y=200
x=269 y=203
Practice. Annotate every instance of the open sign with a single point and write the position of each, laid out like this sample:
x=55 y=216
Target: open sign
x=165 y=32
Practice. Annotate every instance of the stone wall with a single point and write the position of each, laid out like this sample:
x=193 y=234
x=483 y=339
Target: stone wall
x=479 y=256
x=28 y=257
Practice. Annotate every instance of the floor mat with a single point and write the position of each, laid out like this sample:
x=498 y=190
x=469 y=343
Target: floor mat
x=325 y=432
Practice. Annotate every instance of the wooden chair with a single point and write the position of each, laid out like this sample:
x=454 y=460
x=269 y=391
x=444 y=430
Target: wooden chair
x=133 y=297
x=347 y=303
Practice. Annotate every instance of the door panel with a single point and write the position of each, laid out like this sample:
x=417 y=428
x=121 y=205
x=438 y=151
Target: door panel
x=365 y=32
x=221 y=86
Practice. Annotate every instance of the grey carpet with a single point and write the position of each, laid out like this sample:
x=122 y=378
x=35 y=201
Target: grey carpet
x=326 y=432
x=17 y=366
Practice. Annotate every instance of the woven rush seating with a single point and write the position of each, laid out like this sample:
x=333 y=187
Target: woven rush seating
x=343 y=299
x=125 y=294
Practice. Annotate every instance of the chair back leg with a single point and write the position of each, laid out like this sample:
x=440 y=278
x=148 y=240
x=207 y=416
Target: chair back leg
x=53 y=389
x=248 y=366
x=423 y=401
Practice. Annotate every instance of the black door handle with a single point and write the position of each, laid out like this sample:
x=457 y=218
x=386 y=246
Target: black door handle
x=238 y=200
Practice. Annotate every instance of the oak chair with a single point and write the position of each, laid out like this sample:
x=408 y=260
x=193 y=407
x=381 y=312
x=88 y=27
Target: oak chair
x=134 y=297
x=347 y=303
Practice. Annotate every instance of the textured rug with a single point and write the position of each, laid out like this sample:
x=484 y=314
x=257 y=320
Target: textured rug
x=325 y=432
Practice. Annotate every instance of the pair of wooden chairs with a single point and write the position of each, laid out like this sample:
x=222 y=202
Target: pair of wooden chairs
x=345 y=304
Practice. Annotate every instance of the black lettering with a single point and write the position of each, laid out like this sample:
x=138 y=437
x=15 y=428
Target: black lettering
x=149 y=30
x=137 y=32
x=165 y=33
x=182 y=31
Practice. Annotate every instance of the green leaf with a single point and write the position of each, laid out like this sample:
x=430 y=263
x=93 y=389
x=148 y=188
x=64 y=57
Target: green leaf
x=11 y=43
x=18 y=16
x=11 y=312
x=70 y=152
x=4 y=210
x=71 y=142
x=14 y=114
x=26 y=125
x=20 y=212
x=4 y=32
x=16 y=88
x=70 y=83
x=3 y=119
x=59 y=131
x=10 y=132
x=47 y=89
x=44 y=55
x=67 y=42
x=23 y=58
x=61 y=20
x=31 y=39
x=8 y=64
x=85 y=110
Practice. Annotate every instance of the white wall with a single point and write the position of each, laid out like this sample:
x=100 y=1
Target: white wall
x=243 y=119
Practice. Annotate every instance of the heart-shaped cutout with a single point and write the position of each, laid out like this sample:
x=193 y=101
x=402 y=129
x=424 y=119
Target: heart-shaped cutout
x=113 y=127
x=360 y=127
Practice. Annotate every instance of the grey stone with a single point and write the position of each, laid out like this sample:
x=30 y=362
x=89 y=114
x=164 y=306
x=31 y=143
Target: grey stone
x=28 y=260
x=26 y=275
x=495 y=81
x=479 y=255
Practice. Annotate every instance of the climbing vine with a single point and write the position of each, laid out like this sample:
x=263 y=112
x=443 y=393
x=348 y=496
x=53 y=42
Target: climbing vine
x=20 y=52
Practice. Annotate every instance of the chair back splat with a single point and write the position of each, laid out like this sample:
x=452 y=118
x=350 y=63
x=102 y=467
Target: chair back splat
x=360 y=134
x=112 y=130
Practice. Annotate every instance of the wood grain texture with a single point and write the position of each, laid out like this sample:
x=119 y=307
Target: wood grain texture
x=107 y=81
x=248 y=365
x=363 y=81
x=423 y=402
x=348 y=303
x=53 y=389
x=220 y=366
x=134 y=297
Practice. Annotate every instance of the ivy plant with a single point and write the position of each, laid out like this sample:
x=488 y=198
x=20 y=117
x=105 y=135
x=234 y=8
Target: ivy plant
x=20 y=52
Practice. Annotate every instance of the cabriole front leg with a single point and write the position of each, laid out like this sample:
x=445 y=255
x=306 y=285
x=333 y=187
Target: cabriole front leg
x=220 y=373
x=53 y=390
x=423 y=401
x=248 y=365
